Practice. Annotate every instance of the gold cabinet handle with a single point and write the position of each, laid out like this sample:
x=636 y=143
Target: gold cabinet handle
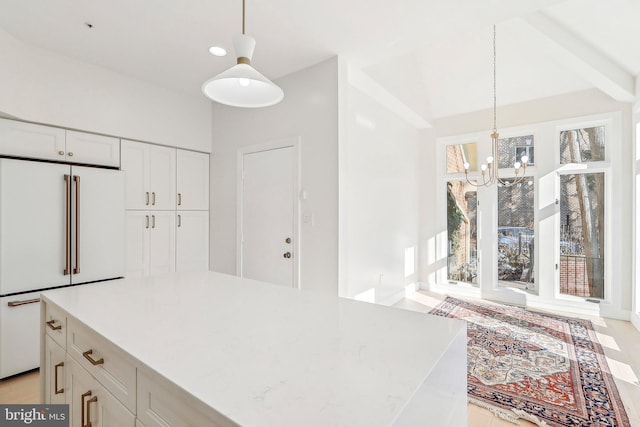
x=76 y=179
x=61 y=153
x=179 y=220
x=51 y=322
x=147 y=197
x=23 y=302
x=153 y=198
x=86 y=421
x=70 y=153
x=179 y=199
x=93 y=361
x=67 y=249
x=55 y=370
x=146 y=221
x=153 y=221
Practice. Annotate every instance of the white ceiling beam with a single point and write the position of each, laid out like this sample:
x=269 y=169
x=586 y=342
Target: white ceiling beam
x=362 y=81
x=582 y=57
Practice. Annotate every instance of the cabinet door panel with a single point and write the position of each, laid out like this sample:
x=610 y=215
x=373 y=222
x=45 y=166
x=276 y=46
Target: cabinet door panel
x=192 y=241
x=93 y=149
x=135 y=164
x=162 y=242
x=19 y=333
x=54 y=387
x=162 y=177
x=192 y=180
x=137 y=246
x=29 y=140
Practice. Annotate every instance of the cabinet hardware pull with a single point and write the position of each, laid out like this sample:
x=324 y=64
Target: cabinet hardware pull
x=61 y=153
x=76 y=179
x=153 y=198
x=55 y=328
x=84 y=405
x=70 y=153
x=179 y=199
x=179 y=220
x=153 y=221
x=55 y=369
x=147 y=193
x=23 y=302
x=287 y=255
x=93 y=361
x=146 y=225
x=67 y=249
x=94 y=399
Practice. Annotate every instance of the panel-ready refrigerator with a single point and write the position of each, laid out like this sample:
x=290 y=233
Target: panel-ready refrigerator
x=60 y=225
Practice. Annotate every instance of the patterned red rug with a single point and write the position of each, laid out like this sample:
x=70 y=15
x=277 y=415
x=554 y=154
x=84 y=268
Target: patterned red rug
x=547 y=369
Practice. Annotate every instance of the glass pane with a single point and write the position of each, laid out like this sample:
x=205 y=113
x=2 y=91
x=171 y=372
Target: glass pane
x=511 y=150
x=582 y=145
x=457 y=155
x=582 y=235
x=515 y=235
x=462 y=232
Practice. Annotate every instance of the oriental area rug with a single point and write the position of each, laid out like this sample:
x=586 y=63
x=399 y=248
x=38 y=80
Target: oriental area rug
x=544 y=368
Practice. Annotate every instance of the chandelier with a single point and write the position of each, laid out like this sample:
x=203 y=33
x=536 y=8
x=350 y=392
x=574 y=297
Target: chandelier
x=489 y=170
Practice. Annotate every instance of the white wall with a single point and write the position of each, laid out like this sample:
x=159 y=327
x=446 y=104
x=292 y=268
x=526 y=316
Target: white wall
x=379 y=181
x=309 y=111
x=542 y=117
x=41 y=86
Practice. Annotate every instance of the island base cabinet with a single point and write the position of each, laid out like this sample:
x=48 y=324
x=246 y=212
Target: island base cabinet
x=91 y=404
x=160 y=405
x=54 y=381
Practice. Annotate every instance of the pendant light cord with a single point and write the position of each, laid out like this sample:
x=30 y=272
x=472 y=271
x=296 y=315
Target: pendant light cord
x=494 y=78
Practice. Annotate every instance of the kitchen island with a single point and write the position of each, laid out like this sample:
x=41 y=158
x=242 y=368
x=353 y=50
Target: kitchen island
x=217 y=350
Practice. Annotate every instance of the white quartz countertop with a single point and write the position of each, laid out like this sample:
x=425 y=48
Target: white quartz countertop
x=266 y=355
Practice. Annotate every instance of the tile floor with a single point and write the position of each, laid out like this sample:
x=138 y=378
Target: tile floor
x=620 y=340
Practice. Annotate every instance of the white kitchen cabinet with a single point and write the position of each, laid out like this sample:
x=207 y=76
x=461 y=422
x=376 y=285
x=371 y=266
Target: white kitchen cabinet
x=28 y=140
x=91 y=404
x=19 y=329
x=192 y=241
x=151 y=242
x=55 y=377
x=192 y=180
x=150 y=175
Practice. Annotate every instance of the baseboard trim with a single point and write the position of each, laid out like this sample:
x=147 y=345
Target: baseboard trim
x=635 y=320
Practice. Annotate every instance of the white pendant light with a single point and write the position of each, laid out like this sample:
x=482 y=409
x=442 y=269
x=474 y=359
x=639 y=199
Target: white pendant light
x=242 y=85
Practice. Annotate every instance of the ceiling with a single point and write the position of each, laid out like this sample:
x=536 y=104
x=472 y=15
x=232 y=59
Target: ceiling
x=433 y=57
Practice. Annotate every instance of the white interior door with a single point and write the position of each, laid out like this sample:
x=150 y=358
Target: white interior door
x=267 y=233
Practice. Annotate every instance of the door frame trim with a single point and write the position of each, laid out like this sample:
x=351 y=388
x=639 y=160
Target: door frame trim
x=294 y=143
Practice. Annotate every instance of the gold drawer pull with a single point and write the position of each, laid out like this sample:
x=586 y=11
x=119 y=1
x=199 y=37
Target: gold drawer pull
x=50 y=324
x=91 y=359
x=55 y=368
x=23 y=302
x=86 y=404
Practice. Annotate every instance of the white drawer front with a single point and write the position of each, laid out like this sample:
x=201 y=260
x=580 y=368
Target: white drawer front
x=56 y=324
x=19 y=333
x=161 y=404
x=109 y=365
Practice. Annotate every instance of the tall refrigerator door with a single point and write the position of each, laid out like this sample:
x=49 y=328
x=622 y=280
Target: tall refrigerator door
x=32 y=225
x=98 y=226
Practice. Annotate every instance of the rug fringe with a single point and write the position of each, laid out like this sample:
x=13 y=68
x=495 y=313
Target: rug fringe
x=509 y=415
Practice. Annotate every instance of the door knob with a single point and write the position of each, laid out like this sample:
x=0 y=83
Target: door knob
x=287 y=240
x=287 y=254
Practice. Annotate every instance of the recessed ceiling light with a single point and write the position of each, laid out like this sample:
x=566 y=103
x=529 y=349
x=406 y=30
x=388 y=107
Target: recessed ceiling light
x=218 y=51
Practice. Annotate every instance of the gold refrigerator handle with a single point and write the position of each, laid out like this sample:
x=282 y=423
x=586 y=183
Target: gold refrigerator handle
x=76 y=179
x=67 y=264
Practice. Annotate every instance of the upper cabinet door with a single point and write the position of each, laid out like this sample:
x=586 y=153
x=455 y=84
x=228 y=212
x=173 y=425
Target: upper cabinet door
x=93 y=149
x=150 y=176
x=193 y=180
x=28 y=140
x=162 y=177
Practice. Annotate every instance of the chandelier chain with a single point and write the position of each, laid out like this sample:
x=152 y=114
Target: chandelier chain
x=243 y=20
x=495 y=127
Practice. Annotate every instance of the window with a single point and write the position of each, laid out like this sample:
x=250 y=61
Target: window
x=582 y=145
x=511 y=150
x=516 y=226
x=459 y=154
x=462 y=232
